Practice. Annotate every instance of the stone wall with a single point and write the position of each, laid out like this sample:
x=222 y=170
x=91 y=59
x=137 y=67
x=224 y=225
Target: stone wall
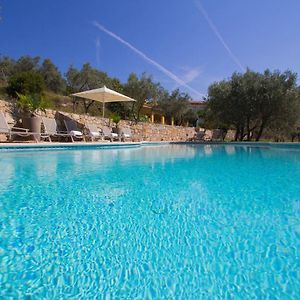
x=141 y=131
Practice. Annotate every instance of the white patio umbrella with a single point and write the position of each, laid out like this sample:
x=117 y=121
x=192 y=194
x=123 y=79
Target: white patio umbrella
x=104 y=95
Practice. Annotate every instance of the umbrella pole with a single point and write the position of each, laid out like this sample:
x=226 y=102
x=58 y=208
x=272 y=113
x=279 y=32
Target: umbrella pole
x=103 y=107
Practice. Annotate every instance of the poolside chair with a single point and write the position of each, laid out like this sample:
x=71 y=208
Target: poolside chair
x=126 y=134
x=199 y=136
x=202 y=135
x=73 y=131
x=51 y=129
x=108 y=134
x=93 y=132
x=10 y=132
x=217 y=135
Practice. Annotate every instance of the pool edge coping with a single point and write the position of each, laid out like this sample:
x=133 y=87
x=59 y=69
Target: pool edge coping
x=82 y=145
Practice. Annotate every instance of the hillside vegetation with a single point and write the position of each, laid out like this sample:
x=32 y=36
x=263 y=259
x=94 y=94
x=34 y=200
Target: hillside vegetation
x=29 y=75
x=256 y=105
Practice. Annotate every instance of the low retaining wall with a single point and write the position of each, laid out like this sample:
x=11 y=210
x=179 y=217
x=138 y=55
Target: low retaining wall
x=141 y=131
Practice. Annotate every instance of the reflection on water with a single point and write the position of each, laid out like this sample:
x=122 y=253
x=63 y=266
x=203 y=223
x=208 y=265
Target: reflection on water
x=230 y=150
x=7 y=173
x=46 y=167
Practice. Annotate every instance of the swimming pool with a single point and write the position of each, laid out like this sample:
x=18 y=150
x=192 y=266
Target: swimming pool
x=157 y=222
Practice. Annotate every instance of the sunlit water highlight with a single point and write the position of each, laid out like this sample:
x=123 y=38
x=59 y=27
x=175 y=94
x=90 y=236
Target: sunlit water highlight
x=156 y=222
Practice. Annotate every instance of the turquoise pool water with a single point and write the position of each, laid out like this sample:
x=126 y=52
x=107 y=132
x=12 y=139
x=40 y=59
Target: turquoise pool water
x=153 y=222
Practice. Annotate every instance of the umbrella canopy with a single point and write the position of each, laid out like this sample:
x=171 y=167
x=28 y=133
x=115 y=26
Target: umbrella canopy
x=104 y=95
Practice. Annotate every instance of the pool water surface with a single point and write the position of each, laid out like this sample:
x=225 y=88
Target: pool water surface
x=152 y=222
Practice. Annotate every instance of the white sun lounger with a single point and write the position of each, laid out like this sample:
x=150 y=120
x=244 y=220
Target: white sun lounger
x=72 y=130
x=10 y=132
x=108 y=134
x=93 y=132
x=51 y=129
x=126 y=134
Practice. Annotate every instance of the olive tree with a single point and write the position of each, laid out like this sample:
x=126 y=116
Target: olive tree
x=253 y=102
x=143 y=90
x=52 y=76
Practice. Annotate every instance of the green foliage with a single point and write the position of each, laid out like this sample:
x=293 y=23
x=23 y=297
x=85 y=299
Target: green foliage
x=253 y=103
x=26 y=64
x=143 y=90
x=88 y=78
x=30 y=104
x=176 y=105
x=27 y=76
x=52 y=77
x=144 y=118
x=116 y=118
x=6 y=69
x=26 y=83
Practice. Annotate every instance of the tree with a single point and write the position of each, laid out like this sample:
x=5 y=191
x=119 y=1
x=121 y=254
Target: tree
x=122 y=109
x=86 y=79
x=277 y=99
x=72 y=79
x=176 y=105
x=6 y=69
x=26 y=64
x=252 y=102
x=52 y=77
x=142 y=89
x=27 y=83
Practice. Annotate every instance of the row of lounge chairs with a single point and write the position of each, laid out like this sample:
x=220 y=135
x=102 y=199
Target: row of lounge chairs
x=72 y=132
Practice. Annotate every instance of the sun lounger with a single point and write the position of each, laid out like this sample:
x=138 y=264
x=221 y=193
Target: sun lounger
x=202 y=135
x=217 y=135
x=126 y=134
x=10 y=132
x=73 y=130
x=93 y=132
x=199 y=136
x=51 y=129
x=108 y=134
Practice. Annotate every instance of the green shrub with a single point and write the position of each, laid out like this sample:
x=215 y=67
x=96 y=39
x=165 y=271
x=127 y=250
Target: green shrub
x=30 y=104
x=116 y=118
x=26 y=83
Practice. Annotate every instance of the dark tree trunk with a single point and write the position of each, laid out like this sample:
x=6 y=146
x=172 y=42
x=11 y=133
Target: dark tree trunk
x=74 y=106
x=237 y=133
x=248 y=130
x=260 y=131
x=242 y=133
x=87 y=105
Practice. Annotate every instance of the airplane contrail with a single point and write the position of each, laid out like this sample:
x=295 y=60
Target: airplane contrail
x=148 y=59
x=218 y=35
x=97 y=45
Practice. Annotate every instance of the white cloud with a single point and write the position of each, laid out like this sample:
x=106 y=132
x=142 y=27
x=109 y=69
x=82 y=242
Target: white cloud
x=190 y=74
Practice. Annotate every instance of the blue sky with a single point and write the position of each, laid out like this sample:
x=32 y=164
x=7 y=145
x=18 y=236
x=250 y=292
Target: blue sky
x=197 y=42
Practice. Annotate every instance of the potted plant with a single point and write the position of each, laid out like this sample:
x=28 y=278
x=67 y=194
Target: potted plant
x=116 y=119
x=29 y=105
